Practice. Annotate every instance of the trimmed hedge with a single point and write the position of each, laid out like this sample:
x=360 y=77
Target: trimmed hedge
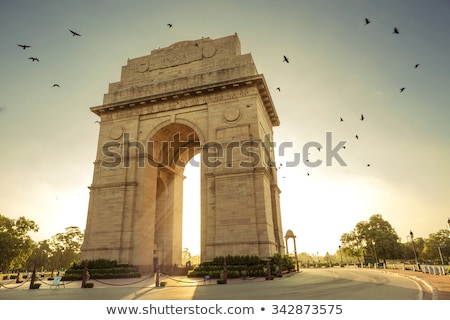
x=101 y=269
x=241 y=267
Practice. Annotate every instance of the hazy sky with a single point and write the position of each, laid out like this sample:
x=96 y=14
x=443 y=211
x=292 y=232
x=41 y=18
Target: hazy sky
x=339 y=67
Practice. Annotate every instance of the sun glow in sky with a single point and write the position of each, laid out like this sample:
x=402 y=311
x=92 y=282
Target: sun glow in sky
x=339 y=67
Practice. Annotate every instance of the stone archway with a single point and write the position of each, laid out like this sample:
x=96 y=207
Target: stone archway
x=192 y=97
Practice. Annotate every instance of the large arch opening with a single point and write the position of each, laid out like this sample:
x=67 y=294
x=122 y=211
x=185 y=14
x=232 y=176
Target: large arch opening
x=173 y=148
x=191 y=213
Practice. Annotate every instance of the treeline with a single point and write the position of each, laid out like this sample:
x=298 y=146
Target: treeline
x=378 y=241
x=374 y=240
x=19 y=252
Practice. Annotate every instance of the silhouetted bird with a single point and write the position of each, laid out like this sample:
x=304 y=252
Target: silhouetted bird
x=417 y=65
x=356 y=137
x=278 y=89
x=24 y=46
x=367 y=21
x=75 y=33
x=307 y=174
x=55 y=85
x=342 y=119
x=169 y=25
x=33 y=59
x=402 y=89
x=285 y=59
x=362 y=117
x=368 y=164
x=396 y=31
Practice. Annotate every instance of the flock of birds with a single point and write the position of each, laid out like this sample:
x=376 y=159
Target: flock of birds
x=285 y=60
x=367 y=21
x=34 y=59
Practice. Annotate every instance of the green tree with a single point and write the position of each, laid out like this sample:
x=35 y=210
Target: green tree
x=437 y=244
x=375 y=237
x=15 y=243
x=66 y=247
x=352 y=245
x=41 y=256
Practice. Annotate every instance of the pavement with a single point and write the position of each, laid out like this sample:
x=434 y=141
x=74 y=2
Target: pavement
x=436 y=287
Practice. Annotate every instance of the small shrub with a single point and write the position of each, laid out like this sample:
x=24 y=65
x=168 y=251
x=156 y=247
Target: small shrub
x=221 y=281
x=89 y=285
x=162 y=283
x=36 y=286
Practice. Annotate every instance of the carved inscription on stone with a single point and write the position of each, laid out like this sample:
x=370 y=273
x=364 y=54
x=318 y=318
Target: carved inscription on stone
x=178 y=104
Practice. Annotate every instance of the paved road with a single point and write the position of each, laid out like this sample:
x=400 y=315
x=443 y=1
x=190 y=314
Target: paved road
x=320 y=284
x=310 y=284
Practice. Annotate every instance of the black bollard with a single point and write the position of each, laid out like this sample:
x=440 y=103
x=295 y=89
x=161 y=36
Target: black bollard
x=33 y=277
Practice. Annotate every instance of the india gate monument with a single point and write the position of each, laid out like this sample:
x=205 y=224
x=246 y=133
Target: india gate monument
x=193 y=97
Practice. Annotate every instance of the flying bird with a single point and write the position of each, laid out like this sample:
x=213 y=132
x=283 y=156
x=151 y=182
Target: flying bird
x=341 y=119
x=368 y=164
x=75 y=33
x=367 y=21
x=417 y=65
x=278 y=89
x=169 y=25
x=33 y=59
x=396 y=31
x=362 y=117
x=55 y=85
x=285 y=59
x=402 y=89
x=356 y=137
x=24 y=46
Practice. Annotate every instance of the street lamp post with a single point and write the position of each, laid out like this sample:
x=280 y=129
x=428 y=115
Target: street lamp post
x=340 y=252
x=414 y=248
x=440 y=254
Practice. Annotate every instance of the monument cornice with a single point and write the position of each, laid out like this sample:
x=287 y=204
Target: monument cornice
x=207 y=89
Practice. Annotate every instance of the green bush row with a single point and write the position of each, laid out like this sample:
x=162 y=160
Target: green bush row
x=101 y=269
x=98 y=264
x=234 y=260
x=242 y=266
x=99 y=274
x=238 y=271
